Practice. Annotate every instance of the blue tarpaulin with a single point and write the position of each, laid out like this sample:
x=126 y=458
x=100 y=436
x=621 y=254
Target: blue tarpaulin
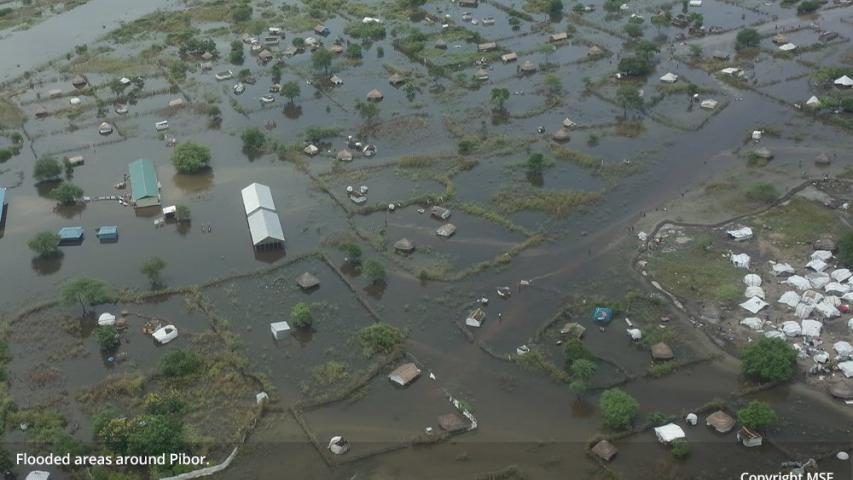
x=602 y=315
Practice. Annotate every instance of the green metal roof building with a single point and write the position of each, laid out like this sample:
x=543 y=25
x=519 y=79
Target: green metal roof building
x=144 y=186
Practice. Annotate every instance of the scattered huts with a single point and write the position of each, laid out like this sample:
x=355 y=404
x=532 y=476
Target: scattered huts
x=604 y=450
x=307 y=281
x=396 y=79
x=375 y=95
x=509 y=57
x=144 y=186
x=264 y=224
x=720 y=421
x=661 y=351
x=405 y=374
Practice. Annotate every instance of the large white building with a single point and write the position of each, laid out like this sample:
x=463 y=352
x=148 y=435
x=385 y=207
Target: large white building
x=264 y=224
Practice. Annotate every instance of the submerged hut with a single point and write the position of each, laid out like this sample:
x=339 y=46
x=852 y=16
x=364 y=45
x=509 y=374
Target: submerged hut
x=375 y=95
x=396 y=79
x=509 y=57
x=561 y=135
x=720 y=421
x=661 y=351
x=452 y=422
x=404 y=245
x=344 y=155
x=405 y=374
x=79 y=81
x=594 y=51
x=604 y=450
x=528 y=67
x=307 y=281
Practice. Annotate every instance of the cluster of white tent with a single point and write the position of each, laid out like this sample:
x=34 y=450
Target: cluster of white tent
x=818 y=293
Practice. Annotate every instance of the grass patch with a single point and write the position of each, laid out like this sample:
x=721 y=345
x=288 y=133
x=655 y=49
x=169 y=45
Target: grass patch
x=10 y=116
x=555 y=203
x=536 y=360
x=798 y=222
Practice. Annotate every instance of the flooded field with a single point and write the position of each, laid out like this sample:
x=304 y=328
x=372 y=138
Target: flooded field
x=525 y=202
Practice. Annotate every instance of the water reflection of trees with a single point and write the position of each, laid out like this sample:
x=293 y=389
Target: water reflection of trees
x=47 y=265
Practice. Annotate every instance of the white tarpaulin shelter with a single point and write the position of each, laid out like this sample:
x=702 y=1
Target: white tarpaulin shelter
x=751 y=280
x=813 y=102
x=166 y=334
x=841 y=274
x=780 y=269
x=843 y=349
x=669 y=432
x=279 y=329
x=843 y=81
x=835 y=287
x=804 y=310
x=740 y=260
x=791 y=328
x=832 y=300
x=754 y=292
x=818 y=279
x=827 y=310
x=38 y=475
x=740 y=234
x=850 y=324
x=822 y=255
x=811 y=328
x=106 y=319
x=754 y=305
x=812 y=297
x=817 y=265
x=787 y=47
x=790 y=298
x=775 y=334
x=798 y=282
x=754 y=323
x=669 y=78
x=846 y=368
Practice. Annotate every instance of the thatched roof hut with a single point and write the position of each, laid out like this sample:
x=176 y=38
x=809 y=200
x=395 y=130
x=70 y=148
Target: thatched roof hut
x=482 y=75
x=396 y=79
x=561 y=135
x=307 y=281
x=509 y=57
x=528 y=67
x=375 y=95
x=661 y=351
x=79 y=81
x=604 y=450
x=344 y=155
x=594 y=51
x=404 y=245
x=720 y=421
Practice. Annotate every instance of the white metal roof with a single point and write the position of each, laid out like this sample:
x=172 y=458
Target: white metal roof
x=257 y=196
x=669 y=432
x=265 y=227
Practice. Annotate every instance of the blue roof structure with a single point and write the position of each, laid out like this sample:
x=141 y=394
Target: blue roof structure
x=602 y=315
x=107 y=232
x=70 y=234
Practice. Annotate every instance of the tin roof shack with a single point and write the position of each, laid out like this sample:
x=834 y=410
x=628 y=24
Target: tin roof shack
x=145 y=189
x=573 y=330
x=720 y=421
x=476 y=318
x=307 y=281
x=604 y=450
x=509 y=57
x=107 y=233
x=70 y=235
x=749 y=438
x=405 y=374
x=321 y=30
x=453 y=422
x=602 y=315
x=487 y=47
x=439 y=213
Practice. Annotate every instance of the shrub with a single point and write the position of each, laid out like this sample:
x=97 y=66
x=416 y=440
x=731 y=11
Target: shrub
x=107 y=338
x=769 y=360
x=756 y=415
x=180 y=363
x=762 y=192
x=45 y=244
x=46 y=168
x=807 y=6
x=253 y=142
x=380 y=338
x=618 y=409
x=465 y=147
x=656 y=419
x=300 y=315
x=575 y=350
x=66 y=193
x=747 y=38
x=680 y=449
x=190 y=157
x=374 y=271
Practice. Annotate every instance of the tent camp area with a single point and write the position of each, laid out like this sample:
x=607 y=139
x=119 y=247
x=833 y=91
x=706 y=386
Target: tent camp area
x=144 y=186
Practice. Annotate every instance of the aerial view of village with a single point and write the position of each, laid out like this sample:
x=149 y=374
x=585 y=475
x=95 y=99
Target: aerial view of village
x=426 y=239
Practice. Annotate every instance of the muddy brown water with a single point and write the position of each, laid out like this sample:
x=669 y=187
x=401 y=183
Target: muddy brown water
x=526 y=419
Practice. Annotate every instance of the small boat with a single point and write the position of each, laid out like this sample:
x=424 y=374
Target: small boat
x=239 y=88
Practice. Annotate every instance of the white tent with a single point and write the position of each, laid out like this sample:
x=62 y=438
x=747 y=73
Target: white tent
x=790 y=298
x=38 y=475
x=780 y=269
x=817 y=265
x=843 y=81
x=804 y=310
x=846 y=368
x=798 y=282
x=791 y=328
x=635 y=333
x=843 y=349
x=818 y=279
x=257 y=196
x=754 y=292
x=811 y=297
x=774 y=334
x=709 y=104
x=740 y=260
x=751 y=280
x=669 y=432
x=265 y=228
x=840 y=274
x=106 y=319
x=165 y=334
x=811 y=328
x=813 y=102
x=754 y=305
x=832 y=300
x=787 y=47
x=754 y=323
x=823 y=255
x=669 y=78
x=827 y=310
x=835 y=287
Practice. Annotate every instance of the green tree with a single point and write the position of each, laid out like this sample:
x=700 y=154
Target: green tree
x=629 y=97
x=769 y=360
x=155 y=435
x=756 y=415
x=695 y=51
x=696 y=18
x=254 y=141
x=107 y=338
x=680 y=449
x=807 y=6
x=635 y=66
x=241 y=12
x=747 y=38
x=555 y=8
x=183 y=214
x=46 y=168
x=374 y=271
x=298 y=42
x=291 y=90
x=45 y=244
x=499 y=96
x=536 y=163
x=180 y=363
x=300 y=315
x=368 y=111
x=353 y=253
x=190 y=157
x=634 y=30
x=66 y=193
x=276 y=73
x=321 y=59
x=762 y=192
x=553 y=86
x=354 y=51
x=575 y=350
x=236 y=55
x=84 y=291
x=583 y=369
x=151 y=268
x=618 y=409
x=380 y=338
x=659 y=21
x=578 y=387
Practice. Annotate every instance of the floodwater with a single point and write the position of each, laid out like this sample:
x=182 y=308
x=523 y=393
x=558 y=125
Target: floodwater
x=526 y=419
